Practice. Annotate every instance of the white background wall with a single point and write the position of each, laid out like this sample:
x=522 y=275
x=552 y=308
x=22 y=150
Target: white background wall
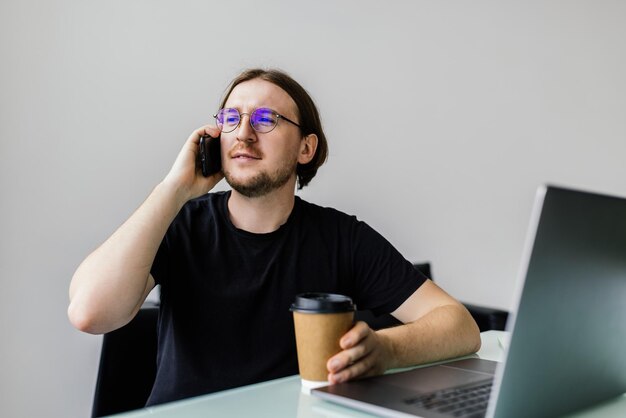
x=443 y=117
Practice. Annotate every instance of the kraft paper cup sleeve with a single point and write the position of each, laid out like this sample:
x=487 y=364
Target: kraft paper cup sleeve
x=320 y=320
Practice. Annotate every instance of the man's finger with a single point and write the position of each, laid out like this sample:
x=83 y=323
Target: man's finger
x=358 y=369
x=357 y=333
x=348 y=357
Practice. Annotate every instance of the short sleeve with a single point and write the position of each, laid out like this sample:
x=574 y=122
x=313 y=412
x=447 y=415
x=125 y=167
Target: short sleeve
x=384 y=278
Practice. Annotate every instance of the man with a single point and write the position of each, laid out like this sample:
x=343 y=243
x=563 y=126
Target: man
x=230 y=263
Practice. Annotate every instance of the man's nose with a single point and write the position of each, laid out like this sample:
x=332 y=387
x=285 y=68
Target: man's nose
x=245 y=131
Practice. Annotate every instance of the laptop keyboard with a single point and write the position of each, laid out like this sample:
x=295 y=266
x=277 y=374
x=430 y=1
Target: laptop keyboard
x=459 y=402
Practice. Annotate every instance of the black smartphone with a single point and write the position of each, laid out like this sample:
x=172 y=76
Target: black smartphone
x=210 y=155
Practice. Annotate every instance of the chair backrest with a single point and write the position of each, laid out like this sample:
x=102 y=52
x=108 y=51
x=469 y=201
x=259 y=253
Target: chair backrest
x=127 y=365
x=128 y=359
x=488 y=318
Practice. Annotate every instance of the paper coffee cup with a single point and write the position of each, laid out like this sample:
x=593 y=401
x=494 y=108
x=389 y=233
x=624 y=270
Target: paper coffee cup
x=320 y=320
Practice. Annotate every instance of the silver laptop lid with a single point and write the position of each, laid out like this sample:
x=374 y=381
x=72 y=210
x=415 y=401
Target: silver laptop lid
x=568 y=348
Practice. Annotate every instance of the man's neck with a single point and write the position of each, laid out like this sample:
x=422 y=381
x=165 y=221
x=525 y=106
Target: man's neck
x=261 y=215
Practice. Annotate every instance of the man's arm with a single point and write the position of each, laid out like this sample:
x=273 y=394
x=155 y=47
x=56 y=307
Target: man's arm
x=436 y=327
x=110 y=285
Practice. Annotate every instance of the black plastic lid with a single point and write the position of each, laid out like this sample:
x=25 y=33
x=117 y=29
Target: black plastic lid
x=322 y=303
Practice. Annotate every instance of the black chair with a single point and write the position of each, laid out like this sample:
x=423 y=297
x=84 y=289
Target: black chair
x=486 y=318
x=127 y=365
x=128 y=358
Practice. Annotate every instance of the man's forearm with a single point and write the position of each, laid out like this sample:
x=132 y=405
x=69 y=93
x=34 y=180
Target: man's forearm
x=112 y=282
x=447 y=331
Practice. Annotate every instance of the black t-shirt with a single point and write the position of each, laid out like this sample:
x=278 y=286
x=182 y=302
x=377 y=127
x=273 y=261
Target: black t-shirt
x=225 y=293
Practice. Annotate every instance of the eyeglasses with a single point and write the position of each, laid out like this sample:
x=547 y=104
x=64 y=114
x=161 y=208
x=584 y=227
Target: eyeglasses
x=262 y=120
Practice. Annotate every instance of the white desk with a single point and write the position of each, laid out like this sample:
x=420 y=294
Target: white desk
x=284 y=398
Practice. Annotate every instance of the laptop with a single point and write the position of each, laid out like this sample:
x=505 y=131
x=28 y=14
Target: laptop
x=567 y=349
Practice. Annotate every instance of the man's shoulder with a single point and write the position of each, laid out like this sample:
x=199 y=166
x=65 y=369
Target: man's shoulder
x=323 y=212
x=329 y=218
x=211 y=200
x=201 y=210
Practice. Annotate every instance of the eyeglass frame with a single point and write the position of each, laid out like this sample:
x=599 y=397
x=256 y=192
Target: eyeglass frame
x=278 y=116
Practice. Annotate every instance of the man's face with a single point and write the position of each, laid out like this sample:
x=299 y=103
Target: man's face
x=255 y=163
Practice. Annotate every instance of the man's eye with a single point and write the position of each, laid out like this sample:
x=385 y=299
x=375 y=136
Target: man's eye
x=266 y=120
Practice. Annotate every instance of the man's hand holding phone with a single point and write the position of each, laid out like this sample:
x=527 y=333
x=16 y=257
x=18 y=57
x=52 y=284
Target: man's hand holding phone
x=186 y=175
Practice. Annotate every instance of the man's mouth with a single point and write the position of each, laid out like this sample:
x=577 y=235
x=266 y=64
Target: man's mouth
x=244 y=155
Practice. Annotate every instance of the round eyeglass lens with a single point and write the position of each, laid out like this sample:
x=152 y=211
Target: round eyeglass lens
x=227 y=119
x=263 y=120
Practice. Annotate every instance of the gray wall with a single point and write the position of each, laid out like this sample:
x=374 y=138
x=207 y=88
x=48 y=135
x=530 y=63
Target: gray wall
x=443 y=118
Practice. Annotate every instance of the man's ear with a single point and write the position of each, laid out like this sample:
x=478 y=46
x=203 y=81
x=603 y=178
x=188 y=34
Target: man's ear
x=308 y=146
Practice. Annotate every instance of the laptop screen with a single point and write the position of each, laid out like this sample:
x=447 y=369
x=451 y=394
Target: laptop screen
x=569 y=334
x=568 y=340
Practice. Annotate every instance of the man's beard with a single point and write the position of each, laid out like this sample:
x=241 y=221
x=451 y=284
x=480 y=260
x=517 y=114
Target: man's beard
x=262 y=183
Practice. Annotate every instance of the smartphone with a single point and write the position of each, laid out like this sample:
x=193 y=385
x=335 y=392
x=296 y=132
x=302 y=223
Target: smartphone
x=210 y=155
